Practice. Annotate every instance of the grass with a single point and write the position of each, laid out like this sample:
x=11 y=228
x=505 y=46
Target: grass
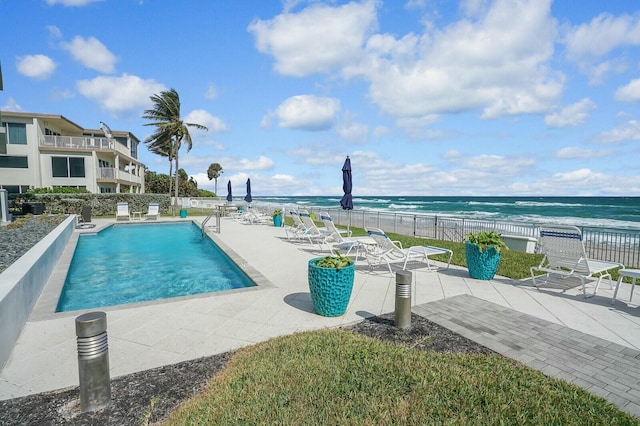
x=338 y=377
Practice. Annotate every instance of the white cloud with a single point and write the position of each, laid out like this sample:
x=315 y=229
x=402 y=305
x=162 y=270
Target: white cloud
x=628 y=93
x=91 y=53
x=200 y=116
x=39 y=67
x=308 y=112
x=262 y=163
x=124 y=95
x=580 y=175
x=624 y=132
x=350 y=130
x=571 y=115
x=61 y=94
x=11 y=105
x=603 y=34
x=318 y=39
x=587 y=44
x=54 y=32
x=71 y=3
x=212 y=92
x=469 y=64
x=380 y=131
x=573 y=152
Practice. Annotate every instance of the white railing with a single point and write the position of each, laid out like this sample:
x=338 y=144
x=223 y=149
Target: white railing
x=84 y=142
x=77 y=142
x=113 y=173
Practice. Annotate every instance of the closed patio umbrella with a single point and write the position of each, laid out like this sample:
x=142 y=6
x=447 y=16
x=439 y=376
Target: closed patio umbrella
x=247 y=197
x=347 y=200
x=229 y=196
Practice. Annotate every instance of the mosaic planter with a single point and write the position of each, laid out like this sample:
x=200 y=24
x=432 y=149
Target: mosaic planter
x=330 y=288
x=482 y=266
x=277 y=220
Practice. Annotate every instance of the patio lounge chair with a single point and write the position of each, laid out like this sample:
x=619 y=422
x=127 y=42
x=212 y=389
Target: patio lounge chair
x=122 y=211
x=565 y=255
x=154 y=211
x=392 y=252
x=297 y=230
x=343 y=244
x=311 y=232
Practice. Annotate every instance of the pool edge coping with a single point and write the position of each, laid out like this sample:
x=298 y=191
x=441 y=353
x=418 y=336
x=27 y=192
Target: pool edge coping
x=47 y=302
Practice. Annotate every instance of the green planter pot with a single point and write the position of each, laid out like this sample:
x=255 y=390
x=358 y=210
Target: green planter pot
x=277 y=220
x=482 y=266
x=330 y=288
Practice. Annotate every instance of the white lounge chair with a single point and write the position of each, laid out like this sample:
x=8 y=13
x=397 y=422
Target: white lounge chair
x=347 y=244
x=122 y=211
x=154 y=211
x=331 y=227
x=565 y=255
x=311 y=231
x=253 y=216
x=298 y=229
x=392 y=252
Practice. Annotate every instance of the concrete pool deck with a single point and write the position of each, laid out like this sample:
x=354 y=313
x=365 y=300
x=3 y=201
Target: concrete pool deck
x=165 y=332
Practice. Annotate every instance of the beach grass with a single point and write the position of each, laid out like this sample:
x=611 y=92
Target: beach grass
x=339 y=377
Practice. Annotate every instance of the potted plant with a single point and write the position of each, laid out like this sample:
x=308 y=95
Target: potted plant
x=277 y=218
x=482 y=251
x=330 y=284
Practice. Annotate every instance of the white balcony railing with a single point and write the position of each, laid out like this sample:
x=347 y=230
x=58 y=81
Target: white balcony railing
x=115 y=174
x=77 y=142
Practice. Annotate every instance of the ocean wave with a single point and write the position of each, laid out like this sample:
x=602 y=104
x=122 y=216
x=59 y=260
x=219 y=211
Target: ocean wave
x=548 y=204
x=370 y=201
x=403 y=206
x=576 y=221
x=487 y=203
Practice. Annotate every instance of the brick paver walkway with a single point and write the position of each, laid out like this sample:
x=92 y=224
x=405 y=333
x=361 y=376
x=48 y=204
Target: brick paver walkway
x=604 y=368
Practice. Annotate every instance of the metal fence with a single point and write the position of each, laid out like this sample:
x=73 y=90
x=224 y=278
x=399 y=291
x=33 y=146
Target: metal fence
x=616 y=245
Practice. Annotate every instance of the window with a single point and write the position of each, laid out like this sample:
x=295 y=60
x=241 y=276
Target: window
x=16 y=133
x=15 y=189
x=13 y=162
x=67 y=166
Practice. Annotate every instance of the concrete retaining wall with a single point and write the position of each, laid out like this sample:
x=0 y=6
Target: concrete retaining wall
x=22 y=282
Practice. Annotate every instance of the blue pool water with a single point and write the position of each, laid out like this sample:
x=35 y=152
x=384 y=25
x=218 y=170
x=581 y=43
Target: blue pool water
x=129 y=263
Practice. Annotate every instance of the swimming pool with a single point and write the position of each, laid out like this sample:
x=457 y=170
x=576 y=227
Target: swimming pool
x=129 y=263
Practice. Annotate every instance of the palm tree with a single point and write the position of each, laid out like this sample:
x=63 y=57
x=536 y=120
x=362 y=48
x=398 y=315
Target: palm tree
x=170 y=129
x=164 y=151
x=213 y=172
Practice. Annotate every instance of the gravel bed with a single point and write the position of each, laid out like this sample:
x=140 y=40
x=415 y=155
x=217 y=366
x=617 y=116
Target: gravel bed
x=149 y=396
x=18 y=237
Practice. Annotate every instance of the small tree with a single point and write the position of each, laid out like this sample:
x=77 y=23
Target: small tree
x=213 y=172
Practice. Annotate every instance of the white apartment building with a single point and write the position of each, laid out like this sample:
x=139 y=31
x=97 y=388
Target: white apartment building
x=46 y=151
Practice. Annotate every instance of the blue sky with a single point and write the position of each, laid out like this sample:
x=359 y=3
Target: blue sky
x=427 y=97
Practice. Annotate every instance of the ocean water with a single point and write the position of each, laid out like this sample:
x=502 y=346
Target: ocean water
x=599 y=212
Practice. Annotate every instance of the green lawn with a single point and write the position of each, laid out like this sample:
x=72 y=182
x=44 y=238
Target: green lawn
x=332 y=377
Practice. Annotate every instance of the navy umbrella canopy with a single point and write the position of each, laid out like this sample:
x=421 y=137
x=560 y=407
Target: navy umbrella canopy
x=229 y=196
x=247 y=197
x=347 y=201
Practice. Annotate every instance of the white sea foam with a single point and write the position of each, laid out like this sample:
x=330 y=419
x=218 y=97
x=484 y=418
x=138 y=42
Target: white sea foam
x=403 y=206
x=548 y=204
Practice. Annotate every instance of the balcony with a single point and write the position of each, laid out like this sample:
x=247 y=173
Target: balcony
x=83 y=143
x=113 y=174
